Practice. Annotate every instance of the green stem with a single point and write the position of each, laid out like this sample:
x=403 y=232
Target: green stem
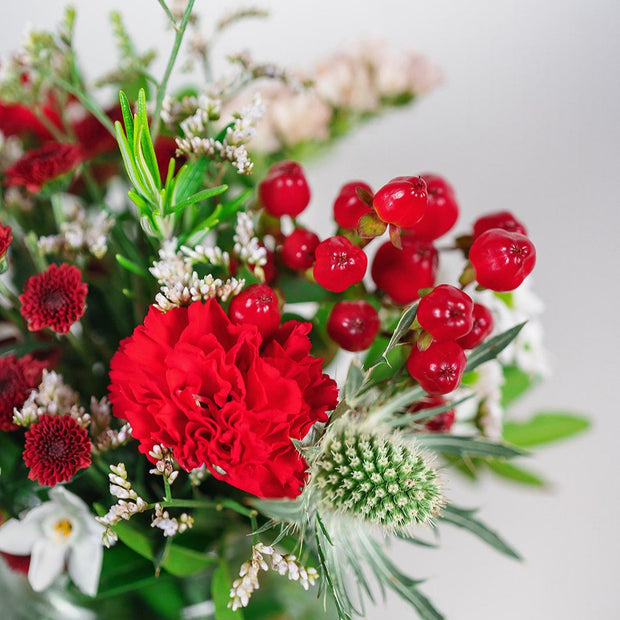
x=80 y=349
x=168 y=491
x=48 y=124
x=87 y=102
x=168 y=12
x=161 y=92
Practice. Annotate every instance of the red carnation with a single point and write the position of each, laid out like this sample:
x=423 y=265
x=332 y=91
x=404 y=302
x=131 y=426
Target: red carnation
x=55 y=298
x=56 y=447
x=217 y=394
x=5 y=239
x=16 y=120
x=44 y=164
x=93 y=136
x=17 y=379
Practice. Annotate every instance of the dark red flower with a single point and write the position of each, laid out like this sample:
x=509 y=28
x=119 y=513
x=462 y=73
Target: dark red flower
x=44 y=164
x=5 y=239
x=165 y=150
x=17 y=120
x=93 y=136
x=17 y=563
x=55 y=298
x=56 y=448
x=217 y=394
x=17 y=379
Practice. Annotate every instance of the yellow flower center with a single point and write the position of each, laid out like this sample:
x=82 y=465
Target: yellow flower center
x=63 y=528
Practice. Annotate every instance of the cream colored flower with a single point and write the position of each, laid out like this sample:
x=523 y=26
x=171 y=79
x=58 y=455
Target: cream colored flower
x=59 y=532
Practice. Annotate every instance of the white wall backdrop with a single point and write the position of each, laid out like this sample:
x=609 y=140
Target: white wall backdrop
x=527 y=120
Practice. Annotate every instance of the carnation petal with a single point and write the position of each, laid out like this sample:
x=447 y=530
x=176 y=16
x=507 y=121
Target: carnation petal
x=46 y=564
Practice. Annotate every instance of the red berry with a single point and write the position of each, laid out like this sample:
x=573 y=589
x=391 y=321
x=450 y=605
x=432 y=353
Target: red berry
x=483 y=326
x=441 y=212
x=258 y=305
x=501 y=259
x=353 y=325
x=440 y=423
x=284 y=191
x=446 y=313
x=339 y=264
x=500 y=219
x=298 y=249
x=348 y=207
x=402 y=273
x=439 y=368
x=402 y=201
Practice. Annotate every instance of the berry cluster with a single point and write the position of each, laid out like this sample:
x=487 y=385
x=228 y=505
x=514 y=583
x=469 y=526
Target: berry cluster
x=417 y=210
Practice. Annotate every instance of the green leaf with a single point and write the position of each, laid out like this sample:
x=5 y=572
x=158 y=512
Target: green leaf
x=406 y=587
x=463 y=445
x=180 y=561
x=516 y=383
x=405 y=322
x=355 y=378
x=202 y=195
x=465 y=519
x=189 y=178
x=220 y=594
x=510 y=471
x=128 y=160
x=370 y=226
x=127 y=115
x=130 y=266
x=299 y=290
x=543 y=428
x=492 y=348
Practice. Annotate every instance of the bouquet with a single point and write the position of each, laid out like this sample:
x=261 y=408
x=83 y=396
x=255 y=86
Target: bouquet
x=172 y=435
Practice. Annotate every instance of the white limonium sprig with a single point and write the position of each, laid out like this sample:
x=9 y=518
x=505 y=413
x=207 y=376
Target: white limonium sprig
x=180 y=285
x=247 y=246
x=165 y=463
x=232 y=148
x=129 y=503
x=53 y=397
x=267 y=558
x=79 y=233
x=60 y=532
x=171 y=526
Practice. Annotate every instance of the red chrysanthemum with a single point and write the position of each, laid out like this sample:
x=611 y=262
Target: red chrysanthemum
x=55 y=298
x=18 y=377
x=44 y=164
x=217 y=394
x=56 y=448
x=5 y=239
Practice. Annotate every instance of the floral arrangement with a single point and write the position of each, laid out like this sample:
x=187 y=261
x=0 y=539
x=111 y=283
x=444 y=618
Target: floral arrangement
x=172 y=436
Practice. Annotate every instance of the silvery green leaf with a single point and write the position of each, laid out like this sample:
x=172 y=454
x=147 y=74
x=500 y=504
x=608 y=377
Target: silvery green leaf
x=405 y=322
x=463 y=445
x=355 y=378
x=492 y=348
x=465 y=519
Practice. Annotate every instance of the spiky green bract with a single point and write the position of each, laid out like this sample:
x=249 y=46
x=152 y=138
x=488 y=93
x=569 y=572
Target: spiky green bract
x=382 y=479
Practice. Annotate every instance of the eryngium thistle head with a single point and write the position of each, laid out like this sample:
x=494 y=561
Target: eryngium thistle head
x=381 y=479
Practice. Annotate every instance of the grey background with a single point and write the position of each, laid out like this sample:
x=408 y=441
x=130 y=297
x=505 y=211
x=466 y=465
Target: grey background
x=526 y=120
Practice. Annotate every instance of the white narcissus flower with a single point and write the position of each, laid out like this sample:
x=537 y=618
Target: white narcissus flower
x=58 y=532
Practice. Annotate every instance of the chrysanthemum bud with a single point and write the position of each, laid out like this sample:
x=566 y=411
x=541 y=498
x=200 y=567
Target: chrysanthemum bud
x=381 y=479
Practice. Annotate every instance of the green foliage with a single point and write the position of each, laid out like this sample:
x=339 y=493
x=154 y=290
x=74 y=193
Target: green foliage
x=515 y=473
x=466 y=446
x=492 y=348
x=465 y=519
x=158 y=206
x=380 y=479
x=516 y=384
x=543 y=428
x=220 y=594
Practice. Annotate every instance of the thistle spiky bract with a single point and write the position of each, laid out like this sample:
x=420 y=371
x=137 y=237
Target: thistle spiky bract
x=379 y=478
